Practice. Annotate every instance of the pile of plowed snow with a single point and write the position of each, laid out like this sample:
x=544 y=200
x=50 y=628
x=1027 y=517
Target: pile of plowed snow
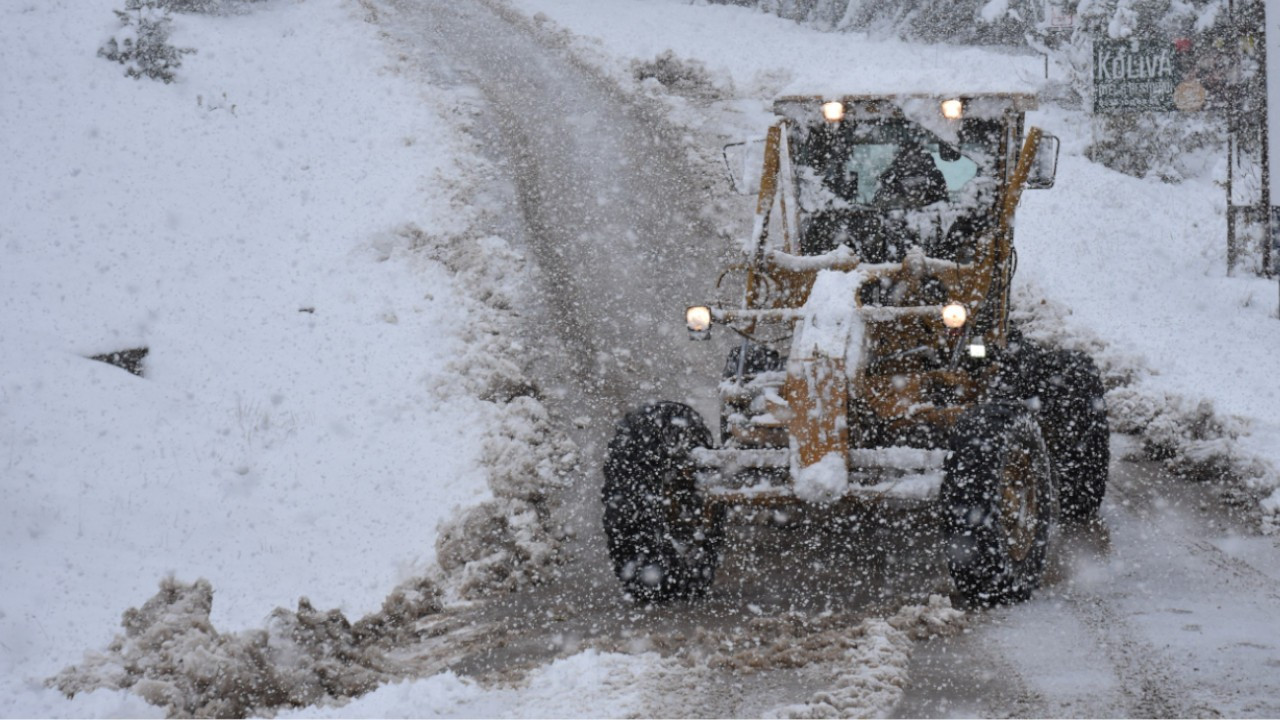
x=867 y=663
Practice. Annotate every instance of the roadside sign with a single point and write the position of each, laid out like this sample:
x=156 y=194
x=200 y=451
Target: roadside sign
x=1136 y=75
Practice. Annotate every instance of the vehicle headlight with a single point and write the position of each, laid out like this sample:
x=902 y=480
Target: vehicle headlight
x=954 y=316
x=698 y=320
x=952 y=109
x=833 y=111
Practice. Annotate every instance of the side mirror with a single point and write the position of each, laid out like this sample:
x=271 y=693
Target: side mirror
x=744 y=163
x=1044 y=166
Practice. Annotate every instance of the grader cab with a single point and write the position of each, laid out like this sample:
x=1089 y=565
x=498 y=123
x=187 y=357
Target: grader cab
x=873 y=360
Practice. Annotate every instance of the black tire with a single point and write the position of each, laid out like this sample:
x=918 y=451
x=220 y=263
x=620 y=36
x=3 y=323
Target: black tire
x=663 y=538
x=1073 y=418
x=999 y=504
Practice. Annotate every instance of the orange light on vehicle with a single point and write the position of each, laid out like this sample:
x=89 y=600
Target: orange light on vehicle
x=952 y=109
x=833 y=111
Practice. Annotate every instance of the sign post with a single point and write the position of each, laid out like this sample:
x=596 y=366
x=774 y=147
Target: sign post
x=1271 y=132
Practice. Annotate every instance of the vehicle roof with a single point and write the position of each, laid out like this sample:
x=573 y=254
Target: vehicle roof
x=976 y=103
x=1019 y=101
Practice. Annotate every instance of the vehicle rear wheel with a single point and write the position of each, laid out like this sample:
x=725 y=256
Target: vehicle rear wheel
x=999 y=504
x=664 y=538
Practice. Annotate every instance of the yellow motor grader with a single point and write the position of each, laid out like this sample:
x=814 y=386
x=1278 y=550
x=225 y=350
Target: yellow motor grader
x=874 y=361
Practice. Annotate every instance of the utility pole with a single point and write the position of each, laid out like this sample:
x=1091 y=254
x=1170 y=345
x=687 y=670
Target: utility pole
x=1270 y=62
x=1253 y=126
x=1270 y=87
x=1267 y=12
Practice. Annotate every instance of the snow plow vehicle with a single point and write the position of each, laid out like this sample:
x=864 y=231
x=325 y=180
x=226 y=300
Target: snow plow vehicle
x=874 y=362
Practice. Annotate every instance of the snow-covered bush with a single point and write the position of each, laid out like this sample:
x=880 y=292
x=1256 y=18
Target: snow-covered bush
x=682 y=77
x=1169 y=146
x=194 y=6
x=142 y=45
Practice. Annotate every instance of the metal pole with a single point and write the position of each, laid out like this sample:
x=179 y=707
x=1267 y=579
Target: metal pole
x=1231 y=173
x=1233 y=98
x=1266 y=149
x=1270 y=94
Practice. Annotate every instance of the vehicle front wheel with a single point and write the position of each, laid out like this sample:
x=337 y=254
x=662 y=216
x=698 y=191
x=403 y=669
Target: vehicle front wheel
x=999 y=504
x=664 y=538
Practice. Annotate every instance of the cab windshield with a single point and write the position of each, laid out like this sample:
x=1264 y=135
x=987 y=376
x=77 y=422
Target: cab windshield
x=883 y=185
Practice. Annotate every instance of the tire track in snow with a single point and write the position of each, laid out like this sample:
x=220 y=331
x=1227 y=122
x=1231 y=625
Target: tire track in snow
x=1148 y=684
x=1158 y=610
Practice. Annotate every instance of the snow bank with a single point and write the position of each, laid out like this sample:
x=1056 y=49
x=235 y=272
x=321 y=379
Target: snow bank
x=172 y=656
x=1191 y=359
x=1188 y=433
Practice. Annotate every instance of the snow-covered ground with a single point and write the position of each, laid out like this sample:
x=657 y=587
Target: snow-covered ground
x=304 y=422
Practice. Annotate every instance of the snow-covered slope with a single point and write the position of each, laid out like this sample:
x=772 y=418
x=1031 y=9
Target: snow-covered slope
x=263 y=226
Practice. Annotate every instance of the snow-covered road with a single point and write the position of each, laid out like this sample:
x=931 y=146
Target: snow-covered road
x=1168 y=609
x=600 y=194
